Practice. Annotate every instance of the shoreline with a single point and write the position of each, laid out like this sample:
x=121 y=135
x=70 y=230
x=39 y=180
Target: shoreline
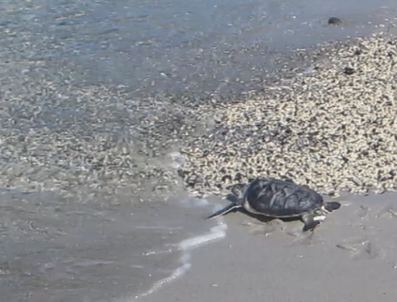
x=171 y=130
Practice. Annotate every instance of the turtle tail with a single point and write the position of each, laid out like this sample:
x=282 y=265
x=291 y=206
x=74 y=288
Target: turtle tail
x=332 y=206
x=225 y=210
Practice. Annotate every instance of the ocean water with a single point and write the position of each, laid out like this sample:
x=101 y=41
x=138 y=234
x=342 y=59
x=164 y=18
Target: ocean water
x=57 y=248
x=197 y=49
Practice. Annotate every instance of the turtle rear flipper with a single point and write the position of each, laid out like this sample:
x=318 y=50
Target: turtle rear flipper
x=332 y=206
x=225 y=210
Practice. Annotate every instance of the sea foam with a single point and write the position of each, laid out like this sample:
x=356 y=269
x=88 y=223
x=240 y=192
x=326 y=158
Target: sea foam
x=186 y=247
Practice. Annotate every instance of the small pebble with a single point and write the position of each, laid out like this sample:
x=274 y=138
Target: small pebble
x=334 y=21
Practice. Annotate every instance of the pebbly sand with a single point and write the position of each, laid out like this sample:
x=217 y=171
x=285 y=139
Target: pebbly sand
x=331 y=128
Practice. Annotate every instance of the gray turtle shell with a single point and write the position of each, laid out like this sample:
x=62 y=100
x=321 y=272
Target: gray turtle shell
x=280 y=198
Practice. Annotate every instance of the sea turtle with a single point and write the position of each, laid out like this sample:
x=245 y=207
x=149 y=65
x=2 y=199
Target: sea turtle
x=275 y=198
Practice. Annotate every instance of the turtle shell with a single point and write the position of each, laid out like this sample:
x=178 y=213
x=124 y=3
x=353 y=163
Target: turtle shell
x=279 y=198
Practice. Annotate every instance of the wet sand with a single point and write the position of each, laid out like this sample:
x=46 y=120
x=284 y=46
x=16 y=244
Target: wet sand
x=352 y=256
x=58 y=249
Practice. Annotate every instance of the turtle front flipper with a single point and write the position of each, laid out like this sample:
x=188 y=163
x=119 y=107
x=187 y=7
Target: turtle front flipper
x=225 y=210
x=311 y=220
x=332 y=206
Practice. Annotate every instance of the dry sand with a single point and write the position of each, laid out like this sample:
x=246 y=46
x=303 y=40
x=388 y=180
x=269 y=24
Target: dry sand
x=351 y=257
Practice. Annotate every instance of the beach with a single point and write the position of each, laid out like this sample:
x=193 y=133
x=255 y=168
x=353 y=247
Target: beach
x=350 y=257
x=122 y=123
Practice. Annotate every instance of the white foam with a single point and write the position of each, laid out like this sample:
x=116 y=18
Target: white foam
x=186 y=247
x=194 y=202
x=216 y=232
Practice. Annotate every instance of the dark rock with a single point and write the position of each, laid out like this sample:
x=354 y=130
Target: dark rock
x=348 y=70
x=226 y=177
x=334 y=21
x=358 y=52
x=238 y=176
x=181 y=173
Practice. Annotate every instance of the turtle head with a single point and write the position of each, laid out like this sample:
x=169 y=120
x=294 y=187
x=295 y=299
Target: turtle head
x=238 y=191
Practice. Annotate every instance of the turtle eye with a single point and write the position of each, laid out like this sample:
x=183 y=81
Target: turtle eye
x=240 y=189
